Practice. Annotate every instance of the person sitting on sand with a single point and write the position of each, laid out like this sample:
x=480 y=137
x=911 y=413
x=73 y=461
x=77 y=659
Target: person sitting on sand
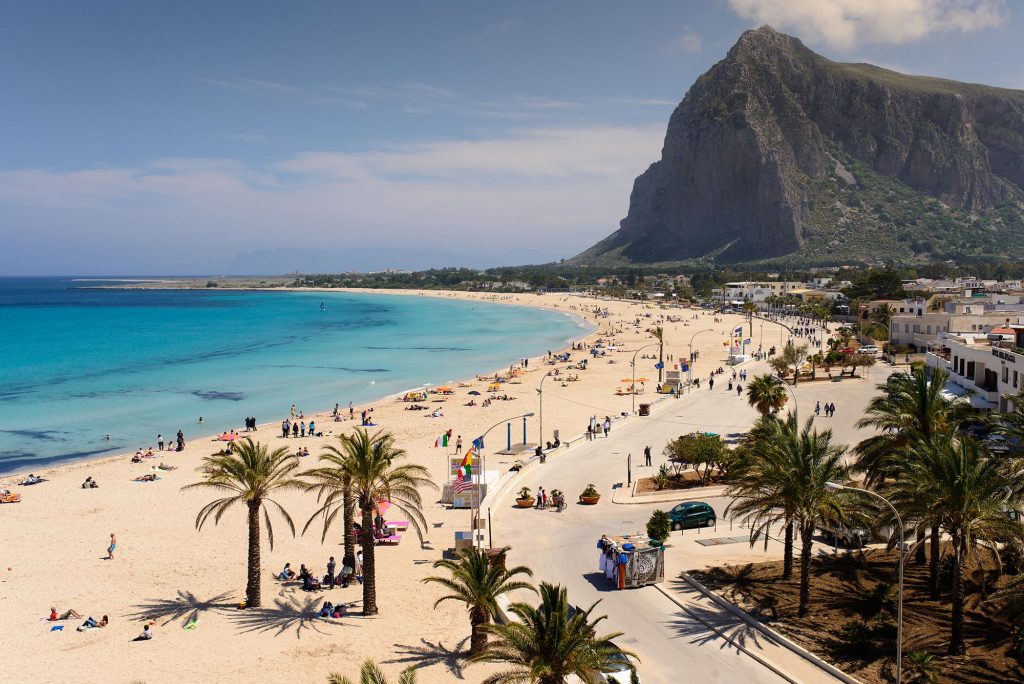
x=149 y=453
x=146 y=635
x=137 y=458
x=287 y=573
x=89 y=483
x=69 y=613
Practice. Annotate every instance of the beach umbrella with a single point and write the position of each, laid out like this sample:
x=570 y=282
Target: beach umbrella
x=383 y=506
x=643 y=379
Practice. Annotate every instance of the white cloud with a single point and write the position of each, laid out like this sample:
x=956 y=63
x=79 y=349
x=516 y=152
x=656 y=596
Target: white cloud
x=845 y=24
x=559 y=189
x=689 y=41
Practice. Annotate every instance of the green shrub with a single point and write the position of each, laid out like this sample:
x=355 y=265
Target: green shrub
x=659 y=525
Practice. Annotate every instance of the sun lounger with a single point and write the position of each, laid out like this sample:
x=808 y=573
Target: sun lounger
x=390 y=539
x=397 y=524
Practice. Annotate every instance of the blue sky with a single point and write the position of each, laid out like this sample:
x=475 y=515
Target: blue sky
x=216 y=137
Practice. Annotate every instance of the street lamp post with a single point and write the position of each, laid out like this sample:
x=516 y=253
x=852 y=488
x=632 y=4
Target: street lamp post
x=540 y=393
x=482 y=476
x=689 y=365
x=792 y=392
x=633 y=363
x=899 y=591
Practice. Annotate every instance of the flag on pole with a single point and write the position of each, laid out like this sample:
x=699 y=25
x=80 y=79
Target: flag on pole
x=686 y=367
x=442 y=441
x=739 y=330
x=478 y=443
x=462 y=485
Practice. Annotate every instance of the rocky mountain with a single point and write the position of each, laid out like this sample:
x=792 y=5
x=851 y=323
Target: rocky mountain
x=777 y=152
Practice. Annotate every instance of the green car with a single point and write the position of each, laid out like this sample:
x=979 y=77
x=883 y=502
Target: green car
x=692 y=514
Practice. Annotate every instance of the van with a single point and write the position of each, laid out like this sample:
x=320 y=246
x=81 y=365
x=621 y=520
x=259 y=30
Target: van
x=852 y=537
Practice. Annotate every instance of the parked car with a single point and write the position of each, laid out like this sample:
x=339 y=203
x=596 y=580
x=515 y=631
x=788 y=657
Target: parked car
x=847 y=536
x=870 y=349
x=692 y=514
x=622 y=672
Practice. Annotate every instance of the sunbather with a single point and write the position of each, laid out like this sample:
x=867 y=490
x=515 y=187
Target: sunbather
x=164 y=466
x=67 y=614
x=91 y=623
x=148 y=477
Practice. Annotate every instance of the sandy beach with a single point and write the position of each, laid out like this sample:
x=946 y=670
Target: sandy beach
x=54 y=541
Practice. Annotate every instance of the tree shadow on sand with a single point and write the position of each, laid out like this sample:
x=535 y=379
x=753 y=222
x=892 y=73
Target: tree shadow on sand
x=287 y=612
x=185 y=607
x=428 y=654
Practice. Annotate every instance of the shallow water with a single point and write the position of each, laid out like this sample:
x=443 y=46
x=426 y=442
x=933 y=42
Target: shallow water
x=77 y=364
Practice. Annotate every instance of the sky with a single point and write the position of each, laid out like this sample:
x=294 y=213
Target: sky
x=223 y=137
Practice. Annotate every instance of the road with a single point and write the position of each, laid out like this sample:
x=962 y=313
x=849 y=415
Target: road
x=561 y=547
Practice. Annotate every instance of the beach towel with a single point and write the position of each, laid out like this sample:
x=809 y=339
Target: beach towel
x=57 y=628
x=156 y=480
x=191 y=624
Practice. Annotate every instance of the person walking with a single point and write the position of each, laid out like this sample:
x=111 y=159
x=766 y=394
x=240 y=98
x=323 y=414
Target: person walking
x=711 y=383
x=607 y=426
x=458 y=444
x=647 y=455
x=112 y=547
x=817 y=408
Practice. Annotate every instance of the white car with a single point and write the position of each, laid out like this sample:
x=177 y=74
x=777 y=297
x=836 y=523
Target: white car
x=621 y=675
x=870 y=349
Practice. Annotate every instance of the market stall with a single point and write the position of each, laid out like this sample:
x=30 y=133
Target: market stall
x=631 y=560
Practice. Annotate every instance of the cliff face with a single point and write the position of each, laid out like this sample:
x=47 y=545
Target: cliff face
x=771 y=136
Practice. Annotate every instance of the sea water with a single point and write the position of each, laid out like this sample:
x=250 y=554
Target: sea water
x=79 y=363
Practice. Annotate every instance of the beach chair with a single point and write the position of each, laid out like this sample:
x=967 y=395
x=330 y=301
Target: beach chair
x=401 y=525
x=390 y=540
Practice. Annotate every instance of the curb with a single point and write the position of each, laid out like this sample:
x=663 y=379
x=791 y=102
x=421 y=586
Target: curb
x=729 y=640
x=705 y=492
x=768 y=632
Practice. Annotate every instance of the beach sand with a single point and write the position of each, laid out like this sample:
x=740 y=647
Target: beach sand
x=53 y=543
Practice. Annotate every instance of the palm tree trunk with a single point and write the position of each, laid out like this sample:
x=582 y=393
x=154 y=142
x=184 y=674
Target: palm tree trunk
x=956 y=640
x=919 y=553
x=933 y=570
x=787 y=552
x=369 y=566
x=805 y=569
x=252 y=585
x=348 y=520
x=478 y=640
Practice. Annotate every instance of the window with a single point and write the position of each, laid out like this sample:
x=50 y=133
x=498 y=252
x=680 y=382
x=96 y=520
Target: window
x=917 y=328
x=906 y=327
x=1006 y=374
x=1015 y=376
x=929 y=330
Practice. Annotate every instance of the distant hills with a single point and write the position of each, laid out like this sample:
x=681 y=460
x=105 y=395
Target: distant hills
x=778 y=154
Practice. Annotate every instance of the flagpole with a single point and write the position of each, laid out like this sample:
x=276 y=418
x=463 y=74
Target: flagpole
x=478 y=448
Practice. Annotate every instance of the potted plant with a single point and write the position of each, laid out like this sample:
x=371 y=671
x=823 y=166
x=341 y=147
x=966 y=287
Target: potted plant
x=590 y=495
x=525 y=500
x=658 y=527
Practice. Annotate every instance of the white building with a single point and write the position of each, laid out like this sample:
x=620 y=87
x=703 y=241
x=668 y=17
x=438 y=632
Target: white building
x=988 y=366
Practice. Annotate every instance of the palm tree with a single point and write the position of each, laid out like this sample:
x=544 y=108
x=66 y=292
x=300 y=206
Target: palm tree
x=1011 y=423
x=766 y=394
x=659 y=334
x=549 y=642
x=369 y=673
x=970 y=494
x=333 y=485
x=251 y=475
x=882 y=314
x=909 y=412
x=369 y=465
x=922 y=668
x=761 y=487
x=478 y=583
x=785 y=480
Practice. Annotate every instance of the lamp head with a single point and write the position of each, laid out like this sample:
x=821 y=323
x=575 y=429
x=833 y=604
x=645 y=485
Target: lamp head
x=528 y=415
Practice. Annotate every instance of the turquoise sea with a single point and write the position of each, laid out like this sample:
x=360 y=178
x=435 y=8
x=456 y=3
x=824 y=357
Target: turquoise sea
x=78 y=363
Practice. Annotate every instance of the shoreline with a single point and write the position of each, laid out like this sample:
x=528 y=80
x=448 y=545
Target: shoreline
x=106 y=458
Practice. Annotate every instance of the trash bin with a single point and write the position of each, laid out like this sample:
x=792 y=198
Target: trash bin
x=645 y=409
